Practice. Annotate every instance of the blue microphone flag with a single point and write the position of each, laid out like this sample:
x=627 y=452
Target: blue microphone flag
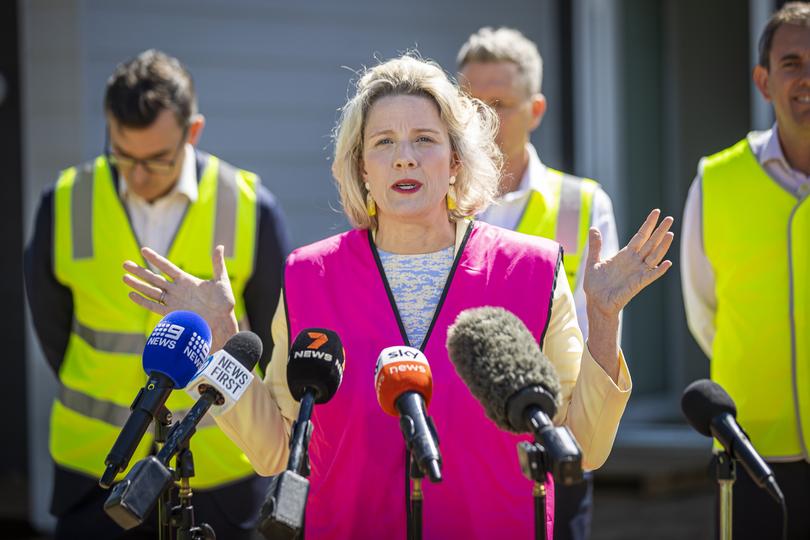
x=177 y=347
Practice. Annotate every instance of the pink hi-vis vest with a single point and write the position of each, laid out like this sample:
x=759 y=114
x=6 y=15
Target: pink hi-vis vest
x=357 y=451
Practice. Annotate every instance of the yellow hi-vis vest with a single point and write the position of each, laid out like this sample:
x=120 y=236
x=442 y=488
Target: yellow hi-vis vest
x=757 y=237
x=101 y=372
x=562 y=212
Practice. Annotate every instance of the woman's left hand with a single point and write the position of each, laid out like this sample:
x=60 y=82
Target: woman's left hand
x=610 y=285
x=212 y=299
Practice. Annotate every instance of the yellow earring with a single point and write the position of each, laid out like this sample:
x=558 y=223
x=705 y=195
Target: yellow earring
x=451 y=195
x=371 y=206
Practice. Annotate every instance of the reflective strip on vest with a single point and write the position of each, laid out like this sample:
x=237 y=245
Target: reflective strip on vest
x=568 y=215
x=111 y=342
x=562 y=212
x=225 y=219
x=81 y=218
x=109 y=412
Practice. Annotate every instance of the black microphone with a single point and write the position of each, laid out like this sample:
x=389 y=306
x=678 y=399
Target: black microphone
x=220 y=382
x=500 y=362
x=710 y=410
x=314 y=374
x=174 y=351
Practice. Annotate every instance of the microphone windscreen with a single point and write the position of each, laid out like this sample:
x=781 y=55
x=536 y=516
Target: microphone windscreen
x=316 y=361
x=228 y=371
x=703 y=400
x=246 y=348
x=398 y=370
x=496 y=356
x=177 y=347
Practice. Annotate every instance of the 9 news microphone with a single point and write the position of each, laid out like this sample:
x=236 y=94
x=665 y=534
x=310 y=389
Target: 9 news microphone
x=174 y=351
x=314 y=374
x=500 y=362
x=220 y=383
x=404 y=387
x=710 y=410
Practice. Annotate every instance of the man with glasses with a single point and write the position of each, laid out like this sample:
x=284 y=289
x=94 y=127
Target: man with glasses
x=151 y=188
x=504 y=70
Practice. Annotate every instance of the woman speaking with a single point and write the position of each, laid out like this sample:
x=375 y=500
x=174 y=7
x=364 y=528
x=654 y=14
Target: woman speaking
x=415 y=158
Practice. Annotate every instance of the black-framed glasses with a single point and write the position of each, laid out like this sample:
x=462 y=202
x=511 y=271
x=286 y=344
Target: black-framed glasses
x=153 y=166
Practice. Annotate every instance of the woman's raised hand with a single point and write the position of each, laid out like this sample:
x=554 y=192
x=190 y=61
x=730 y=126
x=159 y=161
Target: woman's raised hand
x=609 y=285
x=212 y=299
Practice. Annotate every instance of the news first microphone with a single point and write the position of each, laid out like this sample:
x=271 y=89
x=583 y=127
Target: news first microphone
x=314 y=373
x=219 y=383
x=404 y=387
x=710 y=410
x=500 y=362
x=174 y=351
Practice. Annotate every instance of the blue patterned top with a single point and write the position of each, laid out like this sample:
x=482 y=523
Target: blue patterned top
x=417 y=282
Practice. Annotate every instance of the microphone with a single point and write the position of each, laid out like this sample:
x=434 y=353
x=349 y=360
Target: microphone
x=220 y=383
x=710 y=410
x=314 y=373
x=174 y=351
x=404 y=387
x=500 y=362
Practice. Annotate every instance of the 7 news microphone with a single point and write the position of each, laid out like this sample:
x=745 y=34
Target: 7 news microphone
x=710 y=410
x=404 y=387
x=219 y=383
x=500 y=362
x=314 y=374
x=174 y=351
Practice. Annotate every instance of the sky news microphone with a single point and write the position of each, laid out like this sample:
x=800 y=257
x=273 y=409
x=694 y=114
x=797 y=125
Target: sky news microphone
x=404 y=387
x=220 y=383
x=314 y=373
x=500 y=362
x=174 y=351
x=710 y=410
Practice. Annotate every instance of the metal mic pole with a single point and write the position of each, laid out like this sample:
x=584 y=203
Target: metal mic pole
x=725 y=472
x=532 y=459
x=415 y=500
x=163 y=419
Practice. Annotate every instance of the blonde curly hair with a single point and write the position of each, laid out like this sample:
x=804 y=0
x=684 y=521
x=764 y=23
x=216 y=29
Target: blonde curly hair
x=471 y=125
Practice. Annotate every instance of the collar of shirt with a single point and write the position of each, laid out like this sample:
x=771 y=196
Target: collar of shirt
x=765 y=146
x=186 y=184
x=768 y=150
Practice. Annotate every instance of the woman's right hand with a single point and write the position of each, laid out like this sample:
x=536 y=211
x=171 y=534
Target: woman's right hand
x=212 y=299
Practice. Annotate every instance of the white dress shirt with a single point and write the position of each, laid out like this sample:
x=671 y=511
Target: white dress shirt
x=697 y=274
x=509 y=208
x=155 y=224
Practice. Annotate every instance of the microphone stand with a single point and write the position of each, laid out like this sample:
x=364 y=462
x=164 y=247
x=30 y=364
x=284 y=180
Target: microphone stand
x=163 y=420
x=725 y=473
x=532 y=457
x=183 y=513
x=414 y=501
x=152 y=479
x=282 y=516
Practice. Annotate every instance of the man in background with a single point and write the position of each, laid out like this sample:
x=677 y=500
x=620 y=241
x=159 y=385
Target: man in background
x=746 y=262
x=504 y=69
x=151 y=188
